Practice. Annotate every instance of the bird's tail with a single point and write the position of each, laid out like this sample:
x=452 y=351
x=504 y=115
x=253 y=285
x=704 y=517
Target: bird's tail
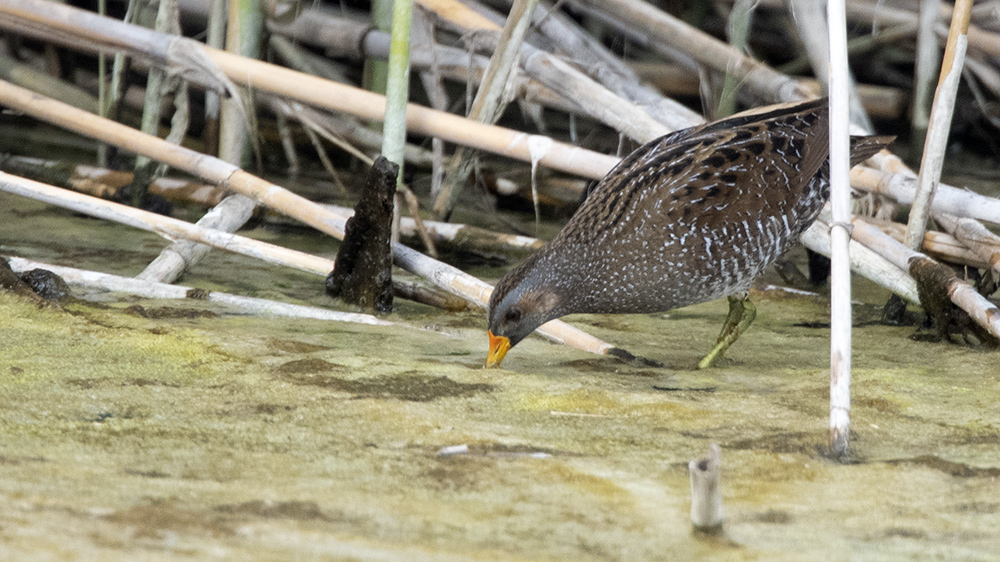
x=863 y=148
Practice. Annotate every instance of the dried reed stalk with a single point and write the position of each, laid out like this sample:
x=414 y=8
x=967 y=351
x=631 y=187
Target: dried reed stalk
x=839 y=84
x=596 y=100
x=944 y=246
x=864 y=262
x=148 y=289
x=89 y=31
x=940 y=123
x=716 y=54
x=985 y=313
x=706 y=491
x=490 y=101
x=273 y=196
x=927 y=60
x=948 y=199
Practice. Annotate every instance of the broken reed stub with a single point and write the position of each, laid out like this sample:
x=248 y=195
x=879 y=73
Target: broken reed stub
x=362 y=274
x=706 y=494
x=936 y=284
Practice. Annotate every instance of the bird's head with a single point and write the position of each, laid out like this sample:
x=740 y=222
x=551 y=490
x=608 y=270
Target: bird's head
x=516 y=309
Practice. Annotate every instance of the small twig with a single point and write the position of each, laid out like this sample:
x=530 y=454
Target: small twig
x=288 y=145
x=414 y=206
x=324 y=159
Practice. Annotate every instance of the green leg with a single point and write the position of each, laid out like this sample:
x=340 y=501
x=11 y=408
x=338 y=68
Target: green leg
x=741 y=314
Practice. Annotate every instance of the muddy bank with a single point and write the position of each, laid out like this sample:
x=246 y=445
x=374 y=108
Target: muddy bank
x=179 y=430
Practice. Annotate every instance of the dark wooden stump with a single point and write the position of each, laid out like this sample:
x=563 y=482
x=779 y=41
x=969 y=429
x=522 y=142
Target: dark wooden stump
x=362 y=274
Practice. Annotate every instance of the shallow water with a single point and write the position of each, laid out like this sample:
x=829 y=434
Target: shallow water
x=136 y=429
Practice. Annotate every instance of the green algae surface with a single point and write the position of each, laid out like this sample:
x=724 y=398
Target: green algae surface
x=178 y=430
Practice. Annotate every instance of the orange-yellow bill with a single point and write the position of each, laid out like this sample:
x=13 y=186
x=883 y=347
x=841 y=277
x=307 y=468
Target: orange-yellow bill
x=499 y=346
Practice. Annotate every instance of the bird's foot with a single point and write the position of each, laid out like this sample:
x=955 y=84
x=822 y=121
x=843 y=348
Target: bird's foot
x=741 y=315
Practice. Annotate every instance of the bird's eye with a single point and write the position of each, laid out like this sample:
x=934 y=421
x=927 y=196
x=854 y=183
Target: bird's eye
x=513 y=316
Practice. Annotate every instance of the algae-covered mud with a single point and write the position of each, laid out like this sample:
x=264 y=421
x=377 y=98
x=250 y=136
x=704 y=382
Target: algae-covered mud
x=154 y=430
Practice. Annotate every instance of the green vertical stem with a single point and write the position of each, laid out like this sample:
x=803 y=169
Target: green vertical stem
x=397 y=90
x=738 y=28
x=376 y=69
x=244 y=37
x=216 y=38
x=102 y=91
x=397 y=94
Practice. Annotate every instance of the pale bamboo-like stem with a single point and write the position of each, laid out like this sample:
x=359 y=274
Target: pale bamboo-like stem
x=83 y=29
x=810 y=21
x=946 y=247
x=489 y=102
x=152 y=290
x=102 y=89
x=962 y=294
x=926 y=65
x=398 y=85
x=706 y=491
x=167 y=227
x=948 y=199
x=232 y=128
x=157 y=85
x=433 y=83
x=718 y=55
x=973 y=234
x=597 y=101
x=979 y=39
x=864 y=262
x=449 y=278
x=940 y=123
x=181 y=255
x=840 y=236
x=610 y=70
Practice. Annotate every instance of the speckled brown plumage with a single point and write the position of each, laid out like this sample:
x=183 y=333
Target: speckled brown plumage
x=693 y=216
